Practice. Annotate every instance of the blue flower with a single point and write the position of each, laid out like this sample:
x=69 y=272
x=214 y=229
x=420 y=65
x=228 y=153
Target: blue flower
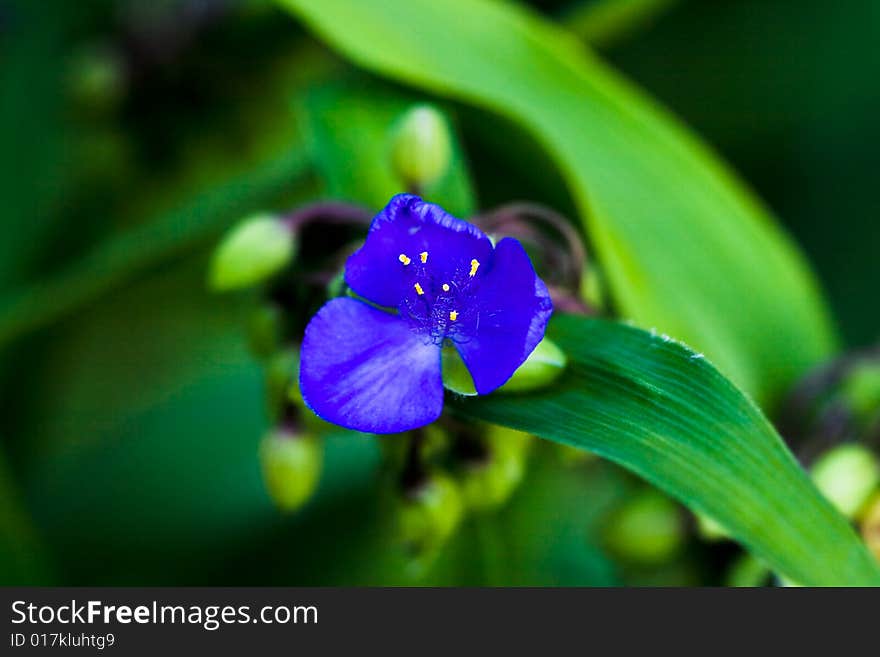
x=377 y=371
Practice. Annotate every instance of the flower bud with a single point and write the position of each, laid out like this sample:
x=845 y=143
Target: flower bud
x=592 y=291
x=747 y=572
x=281 y=373
x=838 y=403
x=421 y=147
x=573 y=456
x=488 y=483
x=861 y=389
x=98 y=78
x=710 y=529
x=429 y=514
x=542 y=367
x=251 y=252
x=646 y=530
x=871 y=525
x=291 y=465
x=847 y=475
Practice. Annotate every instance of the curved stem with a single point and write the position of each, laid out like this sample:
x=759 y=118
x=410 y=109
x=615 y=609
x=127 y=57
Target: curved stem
x=550 y=217
x=328 y=212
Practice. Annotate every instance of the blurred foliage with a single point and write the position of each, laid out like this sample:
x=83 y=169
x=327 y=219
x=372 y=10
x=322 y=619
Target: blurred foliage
x=643 y=186
x=136 y=132
x=788 y=92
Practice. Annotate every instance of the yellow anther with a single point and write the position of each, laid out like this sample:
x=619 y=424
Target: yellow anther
x=423 y=256
x=446 y=287
x=453 y=316
x=419 y=289
x=475 y=265
x=404 y=259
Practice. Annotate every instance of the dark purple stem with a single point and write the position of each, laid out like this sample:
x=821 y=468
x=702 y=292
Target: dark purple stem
x=497 y=218
x=518 y=220
x=806 y=426
x=329 y=212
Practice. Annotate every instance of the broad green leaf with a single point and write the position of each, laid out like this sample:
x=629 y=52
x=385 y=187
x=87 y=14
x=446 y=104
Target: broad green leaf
x=660 y=409
x=685 y=248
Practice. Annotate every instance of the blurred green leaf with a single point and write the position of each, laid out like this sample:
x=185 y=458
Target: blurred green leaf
x=654 y=406
x=684 y=246
x=143 y=463
x=22 y=557
x=116 y=261
x=34 y=161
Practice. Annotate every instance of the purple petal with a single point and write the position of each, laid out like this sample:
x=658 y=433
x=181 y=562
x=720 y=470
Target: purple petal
x=364 y=369
x=514 y=306
x=410 y=226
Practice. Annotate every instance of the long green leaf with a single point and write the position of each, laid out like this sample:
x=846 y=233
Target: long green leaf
x=661 y=410
x=685 y=248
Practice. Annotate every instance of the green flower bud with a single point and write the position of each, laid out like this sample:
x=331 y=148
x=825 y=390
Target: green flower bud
x=592 y=291
x=430 y=514
x=646 y=530
x=421 y=147
x=542 y=367
x=847 y=475
x=251 y=252
x=291 y=465
x=710 y=529
x=281 y=373
x=861 y=389
x=573 y=456
x=871 y=525
x=747 y=571
x=487 y=484
x=97 y=79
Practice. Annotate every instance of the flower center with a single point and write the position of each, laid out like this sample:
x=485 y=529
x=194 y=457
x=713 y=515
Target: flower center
x=440 y=303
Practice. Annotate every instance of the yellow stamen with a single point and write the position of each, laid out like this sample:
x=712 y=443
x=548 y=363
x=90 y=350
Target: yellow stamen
x=404 y=259
x=419 y=289
x=446 y=287
x=453 y=316
x=475 y=265
x=423 y=256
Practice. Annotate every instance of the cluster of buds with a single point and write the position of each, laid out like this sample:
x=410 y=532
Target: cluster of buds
x=444 y=471
x=832 y=421
x=447 y=471
x=263 y=252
